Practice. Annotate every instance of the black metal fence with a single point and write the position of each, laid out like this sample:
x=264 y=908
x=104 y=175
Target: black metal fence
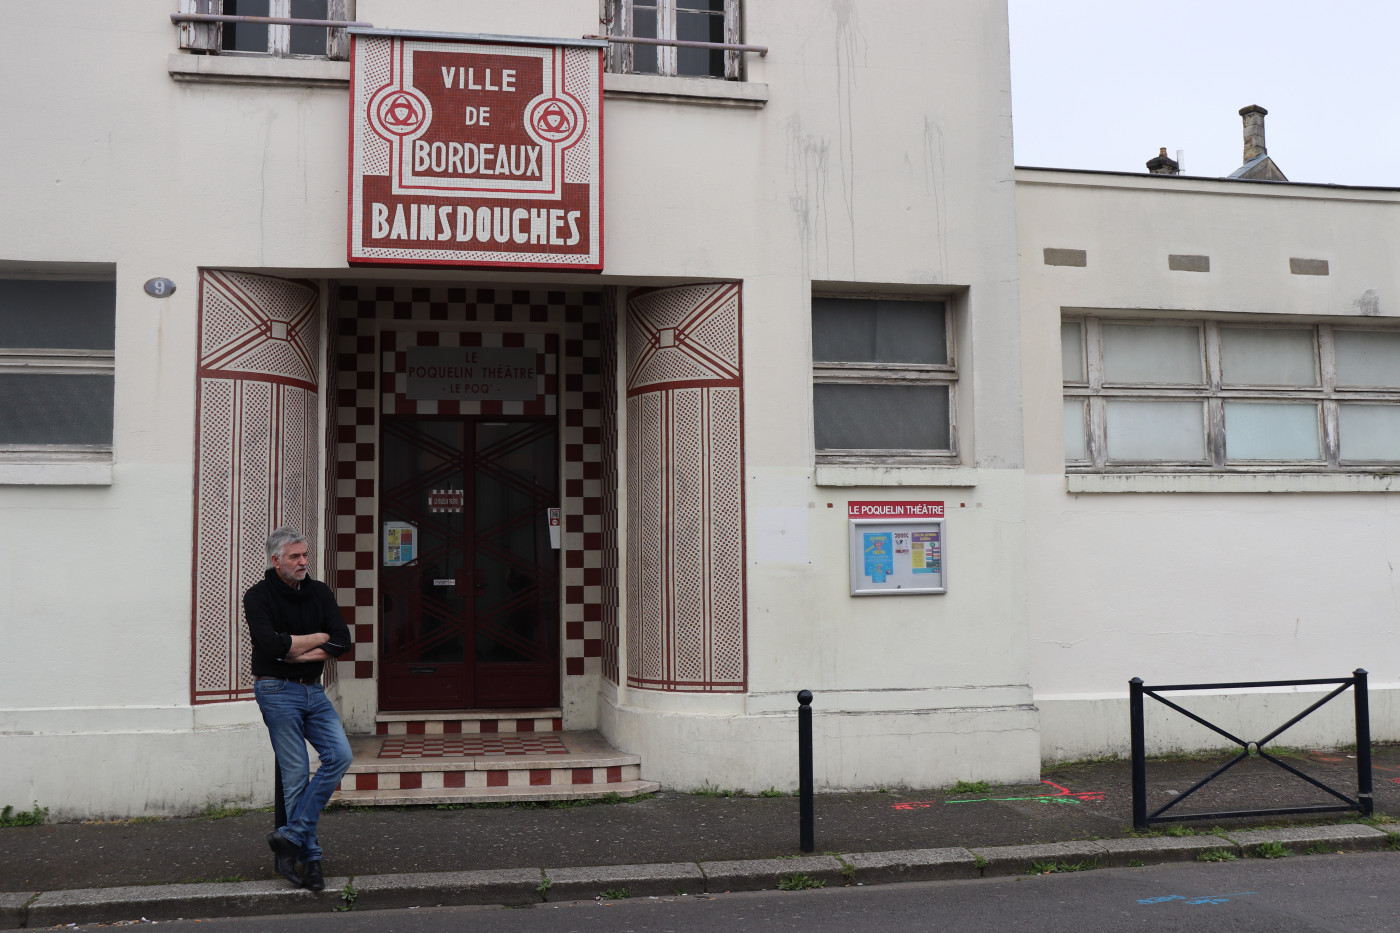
x=1362 y=804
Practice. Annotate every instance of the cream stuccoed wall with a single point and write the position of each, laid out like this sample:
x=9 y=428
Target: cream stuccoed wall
x=880 y=161
x=1203 y=579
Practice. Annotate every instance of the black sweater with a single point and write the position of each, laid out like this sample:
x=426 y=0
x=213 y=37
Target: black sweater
x=276 y=612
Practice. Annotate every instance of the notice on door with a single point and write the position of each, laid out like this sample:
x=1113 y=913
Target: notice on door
x=400 y=543
x=503 y=374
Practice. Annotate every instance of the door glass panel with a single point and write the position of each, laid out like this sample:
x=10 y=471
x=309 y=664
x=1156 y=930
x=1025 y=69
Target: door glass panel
x=1156 y=430
x=516 y=581
x=1252 y=356
x=1269 y=431
x=424 y=608
x=1155 y=354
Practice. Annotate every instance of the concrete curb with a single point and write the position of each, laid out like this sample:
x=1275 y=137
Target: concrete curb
x=510 y=887
x=1349 y=836
x=661 y=880
x=173 y=901
x=525 y=886
x=914 y=865
x=12 y=914
x=764 y=874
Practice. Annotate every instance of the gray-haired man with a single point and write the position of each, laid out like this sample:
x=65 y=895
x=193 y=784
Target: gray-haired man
x=296 y=627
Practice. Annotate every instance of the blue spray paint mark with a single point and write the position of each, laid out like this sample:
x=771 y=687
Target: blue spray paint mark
x=1199 y=899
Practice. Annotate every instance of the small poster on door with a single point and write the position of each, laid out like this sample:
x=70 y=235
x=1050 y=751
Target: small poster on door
x=400 y=544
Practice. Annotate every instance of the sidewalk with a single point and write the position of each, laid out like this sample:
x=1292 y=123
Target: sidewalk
x=396 y=857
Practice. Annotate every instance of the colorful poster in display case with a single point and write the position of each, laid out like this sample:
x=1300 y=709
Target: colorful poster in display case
x=896 y=548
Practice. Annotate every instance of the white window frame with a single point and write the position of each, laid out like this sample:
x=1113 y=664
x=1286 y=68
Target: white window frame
x=209 y=37
x=61 y=464
x=894 y=374
x=618 y=18
x=1095 y=391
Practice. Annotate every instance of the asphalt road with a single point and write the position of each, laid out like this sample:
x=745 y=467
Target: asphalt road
x=1354 y=893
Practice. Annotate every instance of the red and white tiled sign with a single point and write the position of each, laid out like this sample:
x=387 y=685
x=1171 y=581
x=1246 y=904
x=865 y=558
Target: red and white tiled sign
x=468 y=151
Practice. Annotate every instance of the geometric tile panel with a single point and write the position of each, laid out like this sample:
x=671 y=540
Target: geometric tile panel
x=686 y=618
x=256 y=453
x=506 y=744
x=374 y=324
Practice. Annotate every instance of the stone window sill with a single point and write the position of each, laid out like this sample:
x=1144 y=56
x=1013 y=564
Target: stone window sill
x=259 y=69
x=77 y=473
x=669 y=90
x=1231 y=482
x=874 y=475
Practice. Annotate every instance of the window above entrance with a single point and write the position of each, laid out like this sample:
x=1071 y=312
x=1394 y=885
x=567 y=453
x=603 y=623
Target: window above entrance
x=279 y=40
x=662 y=30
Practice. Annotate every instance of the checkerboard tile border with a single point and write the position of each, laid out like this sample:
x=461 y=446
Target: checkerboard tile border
x=362 y=313
x=481 y=745
x=536 y=777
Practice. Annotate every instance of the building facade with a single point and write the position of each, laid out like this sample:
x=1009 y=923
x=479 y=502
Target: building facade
x=813 y=295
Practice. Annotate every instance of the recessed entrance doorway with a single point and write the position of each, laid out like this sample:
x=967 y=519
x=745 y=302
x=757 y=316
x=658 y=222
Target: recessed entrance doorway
x=470 y=615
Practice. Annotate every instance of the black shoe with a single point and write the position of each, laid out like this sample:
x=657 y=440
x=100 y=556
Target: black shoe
x=284 y=856
x=311 y=877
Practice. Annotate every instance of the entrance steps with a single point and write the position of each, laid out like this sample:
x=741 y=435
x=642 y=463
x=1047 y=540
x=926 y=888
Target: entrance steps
x=458 y=758
x=468 y=722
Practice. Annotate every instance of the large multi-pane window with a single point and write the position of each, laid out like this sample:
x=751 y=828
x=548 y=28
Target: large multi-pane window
x=57 y=341
x=884 y=381
x=685 y=20
x=1218 y=395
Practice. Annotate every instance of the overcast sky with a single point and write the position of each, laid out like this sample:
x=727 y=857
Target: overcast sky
x=1102 y=84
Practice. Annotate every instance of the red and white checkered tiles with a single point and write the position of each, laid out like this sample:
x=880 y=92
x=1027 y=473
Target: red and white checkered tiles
x=467 y=726
x=522 y=777
x=521 y=743
x=371 y=315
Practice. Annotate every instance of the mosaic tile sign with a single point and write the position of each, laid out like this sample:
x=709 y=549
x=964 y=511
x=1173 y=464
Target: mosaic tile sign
x=475 y=151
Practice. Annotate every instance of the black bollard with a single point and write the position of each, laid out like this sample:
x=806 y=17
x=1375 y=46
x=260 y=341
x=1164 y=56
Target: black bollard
x=1364 y=789
x=804 y=768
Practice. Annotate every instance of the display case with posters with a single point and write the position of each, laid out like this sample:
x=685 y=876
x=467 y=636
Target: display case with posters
x=897 y=548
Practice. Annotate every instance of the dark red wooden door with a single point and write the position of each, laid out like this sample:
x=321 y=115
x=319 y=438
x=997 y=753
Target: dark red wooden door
x=473 y=620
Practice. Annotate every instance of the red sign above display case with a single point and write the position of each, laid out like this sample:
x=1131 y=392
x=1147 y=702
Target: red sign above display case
x=476 y=151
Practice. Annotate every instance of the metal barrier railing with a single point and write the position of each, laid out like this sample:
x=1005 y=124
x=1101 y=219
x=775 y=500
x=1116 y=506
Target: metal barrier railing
x=1363 y=803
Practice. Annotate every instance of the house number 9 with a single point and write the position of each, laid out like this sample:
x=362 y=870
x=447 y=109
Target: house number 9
x=159 y=288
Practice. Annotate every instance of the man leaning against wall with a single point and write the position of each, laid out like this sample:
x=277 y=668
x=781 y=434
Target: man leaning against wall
x=295 y=626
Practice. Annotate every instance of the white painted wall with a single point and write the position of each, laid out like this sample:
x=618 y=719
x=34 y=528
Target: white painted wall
x=1201 y=586
x=881 y=159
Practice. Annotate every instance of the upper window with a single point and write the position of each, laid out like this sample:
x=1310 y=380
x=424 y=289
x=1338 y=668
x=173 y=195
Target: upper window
x=56 y=369
x=1220 y=396
x=884 y=381
x=669 y=22
x=280 y=40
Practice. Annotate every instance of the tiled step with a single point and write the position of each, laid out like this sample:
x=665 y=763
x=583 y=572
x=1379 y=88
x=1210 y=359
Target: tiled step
x=468 y=722
x=405 y=769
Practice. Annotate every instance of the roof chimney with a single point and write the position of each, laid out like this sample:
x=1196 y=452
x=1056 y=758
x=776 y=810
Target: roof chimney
x=1163 y=165
x=1254 y=132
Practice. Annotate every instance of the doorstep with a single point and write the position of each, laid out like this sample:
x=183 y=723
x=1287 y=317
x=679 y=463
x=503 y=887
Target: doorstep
x=443 y=768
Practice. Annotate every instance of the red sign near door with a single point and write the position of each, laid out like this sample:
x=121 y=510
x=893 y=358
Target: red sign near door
x=474 y=151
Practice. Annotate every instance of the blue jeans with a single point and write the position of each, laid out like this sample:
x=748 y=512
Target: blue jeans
x=296 y=714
